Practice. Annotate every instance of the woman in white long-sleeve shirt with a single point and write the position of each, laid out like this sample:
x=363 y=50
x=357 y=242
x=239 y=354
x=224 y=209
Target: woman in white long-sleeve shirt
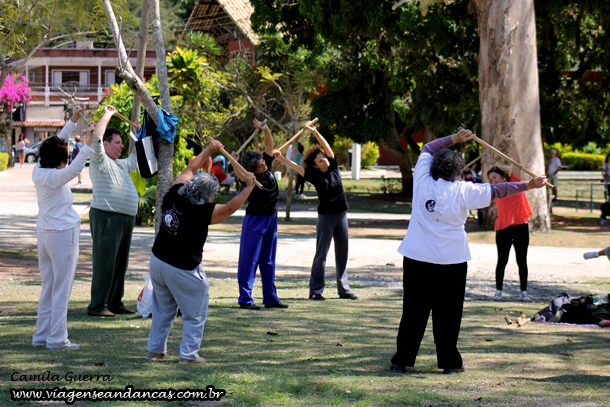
x=58 y=227
x=436 y=253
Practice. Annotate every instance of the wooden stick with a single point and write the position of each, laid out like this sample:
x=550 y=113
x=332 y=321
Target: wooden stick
x=507 y=158
x=250 y=139
x=235 y=163
x=478 y=158
x=296 y=136
x=126 y=120
x=398 y=4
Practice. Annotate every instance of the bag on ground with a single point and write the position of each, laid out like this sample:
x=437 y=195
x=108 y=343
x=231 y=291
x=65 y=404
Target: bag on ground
x=145 y=298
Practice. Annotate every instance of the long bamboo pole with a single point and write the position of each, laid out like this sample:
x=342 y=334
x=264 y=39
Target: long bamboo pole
x=507 y=158
x=126 y=120
x=478 y=158
x=235 y=163
x=296 y=136
x=250 y=139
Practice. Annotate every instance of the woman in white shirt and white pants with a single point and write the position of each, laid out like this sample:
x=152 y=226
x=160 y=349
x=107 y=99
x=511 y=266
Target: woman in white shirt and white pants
x=436 y=253
x=58 y=227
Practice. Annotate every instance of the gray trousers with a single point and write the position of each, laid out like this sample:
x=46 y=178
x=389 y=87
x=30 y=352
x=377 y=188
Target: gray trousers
x=330 y=227
x=174 y=288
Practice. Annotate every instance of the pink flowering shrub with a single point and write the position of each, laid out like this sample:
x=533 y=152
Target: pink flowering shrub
x=15 y=89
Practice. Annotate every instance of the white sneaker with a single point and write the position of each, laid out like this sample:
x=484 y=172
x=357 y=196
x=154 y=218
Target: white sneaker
x=68 y=345
x=40 y=344
x=524 y=297
x=590 y=255
x=498 y=296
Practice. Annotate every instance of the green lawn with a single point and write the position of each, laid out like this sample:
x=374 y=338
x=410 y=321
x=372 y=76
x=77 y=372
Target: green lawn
x=335 y=352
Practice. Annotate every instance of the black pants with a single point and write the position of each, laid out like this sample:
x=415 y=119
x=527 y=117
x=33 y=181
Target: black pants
x=431 y=287
x=518 y=236
x=300 y=183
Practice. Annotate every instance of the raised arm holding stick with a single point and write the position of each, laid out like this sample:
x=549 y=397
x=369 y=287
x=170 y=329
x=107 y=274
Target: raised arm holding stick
x=321 y=169
x=296 y=136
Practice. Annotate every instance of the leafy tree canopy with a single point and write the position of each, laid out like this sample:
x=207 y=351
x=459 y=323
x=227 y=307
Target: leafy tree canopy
x=573 y=63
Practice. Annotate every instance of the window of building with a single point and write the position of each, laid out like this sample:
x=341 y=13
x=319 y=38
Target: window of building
x=110 y=78
x=78 y=79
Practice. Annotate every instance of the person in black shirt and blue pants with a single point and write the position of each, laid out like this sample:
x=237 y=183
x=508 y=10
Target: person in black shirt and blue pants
x=258 y=243
x=321 y=169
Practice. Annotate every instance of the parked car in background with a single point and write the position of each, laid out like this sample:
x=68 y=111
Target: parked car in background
x=31 y=152
x=32 y=155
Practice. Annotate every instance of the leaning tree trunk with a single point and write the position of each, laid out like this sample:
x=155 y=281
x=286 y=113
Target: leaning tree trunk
x=140 y=62
x=508 y=86
x=166 y=151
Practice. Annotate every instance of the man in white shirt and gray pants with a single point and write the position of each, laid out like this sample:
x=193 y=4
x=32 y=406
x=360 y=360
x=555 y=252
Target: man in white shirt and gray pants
x=111 y=218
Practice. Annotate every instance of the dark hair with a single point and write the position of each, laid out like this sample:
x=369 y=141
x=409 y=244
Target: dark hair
x=498 y=171
x=301 y=149
x=310 y=156
x=251 y=161
x=21 y=135
x=109 y=134
x=608 y=156
x=447 y=164
x=53 y=152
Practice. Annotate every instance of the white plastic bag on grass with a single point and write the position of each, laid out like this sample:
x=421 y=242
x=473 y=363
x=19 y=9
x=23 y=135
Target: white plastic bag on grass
x=145 y=298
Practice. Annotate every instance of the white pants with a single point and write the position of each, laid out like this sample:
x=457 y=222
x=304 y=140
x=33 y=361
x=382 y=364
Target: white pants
x=228 y=181
x=57 y=259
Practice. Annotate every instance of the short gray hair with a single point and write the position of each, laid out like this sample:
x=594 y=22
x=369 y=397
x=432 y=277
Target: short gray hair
x=200 y=189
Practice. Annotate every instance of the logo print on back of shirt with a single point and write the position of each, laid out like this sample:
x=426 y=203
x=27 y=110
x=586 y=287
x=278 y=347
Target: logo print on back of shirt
x=170 y=220
x=431 y=206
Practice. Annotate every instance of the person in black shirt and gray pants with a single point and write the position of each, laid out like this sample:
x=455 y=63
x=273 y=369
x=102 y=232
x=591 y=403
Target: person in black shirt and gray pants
x=321 y=169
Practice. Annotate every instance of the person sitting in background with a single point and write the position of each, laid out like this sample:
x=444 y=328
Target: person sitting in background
x=223 y=179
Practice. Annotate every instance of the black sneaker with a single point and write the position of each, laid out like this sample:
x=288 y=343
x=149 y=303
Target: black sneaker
x=276 y=305
x=455 y=370
x=316 y=297
x=397 y=368
x=249 y=306
x=349 y=296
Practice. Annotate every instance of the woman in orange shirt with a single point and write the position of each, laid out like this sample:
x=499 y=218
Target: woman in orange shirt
x=511 y=225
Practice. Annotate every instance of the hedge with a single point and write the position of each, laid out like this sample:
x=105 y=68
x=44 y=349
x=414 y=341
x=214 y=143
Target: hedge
x=583 y=161
x=3 y=161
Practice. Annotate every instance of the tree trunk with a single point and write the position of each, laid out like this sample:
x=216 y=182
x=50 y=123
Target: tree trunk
x=142 y=40
x=393 y=146
x=166 y=151
x=291 y=174
x=508 y=86
x=125 y=70
x=429 y=134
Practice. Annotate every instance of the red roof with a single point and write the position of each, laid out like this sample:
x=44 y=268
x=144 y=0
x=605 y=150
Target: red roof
x=53 y=123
